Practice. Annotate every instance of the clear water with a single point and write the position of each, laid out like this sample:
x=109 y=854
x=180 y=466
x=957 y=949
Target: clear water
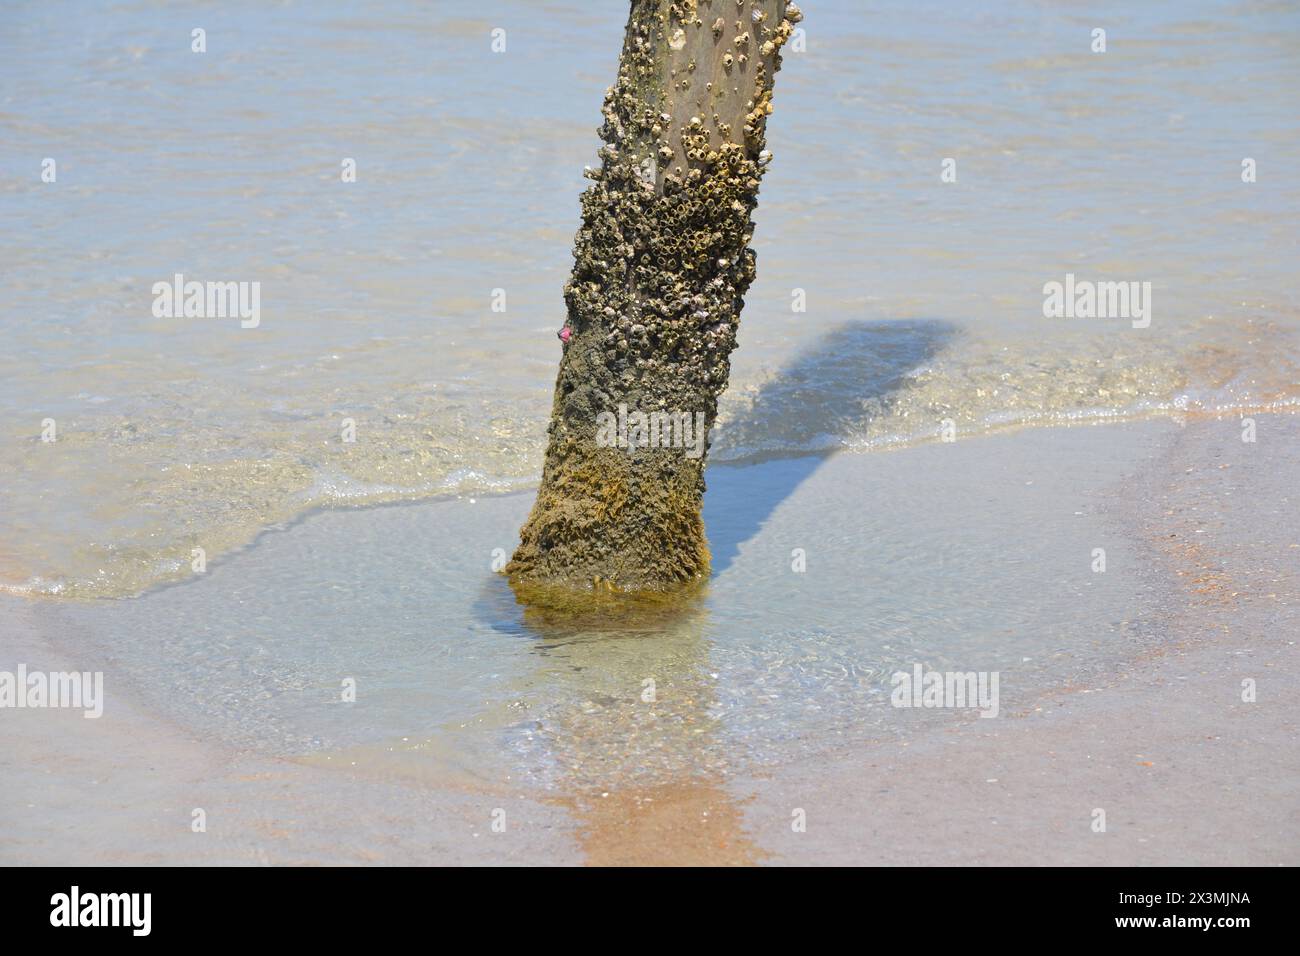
x=923 y=298
x=973 y=556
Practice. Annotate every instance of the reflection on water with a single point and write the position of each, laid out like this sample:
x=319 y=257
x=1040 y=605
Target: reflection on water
x=628 y=695
x=627 y=726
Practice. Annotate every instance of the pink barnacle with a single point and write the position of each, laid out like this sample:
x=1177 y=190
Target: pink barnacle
x=564 y=334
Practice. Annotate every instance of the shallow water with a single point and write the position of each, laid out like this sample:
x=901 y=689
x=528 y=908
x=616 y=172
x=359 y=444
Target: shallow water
x=974 y=556
x=923 y=299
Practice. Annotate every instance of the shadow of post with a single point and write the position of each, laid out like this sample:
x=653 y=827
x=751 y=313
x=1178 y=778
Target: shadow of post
x=828 y=393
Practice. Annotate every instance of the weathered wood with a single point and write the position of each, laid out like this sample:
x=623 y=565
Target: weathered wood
x=661 y=264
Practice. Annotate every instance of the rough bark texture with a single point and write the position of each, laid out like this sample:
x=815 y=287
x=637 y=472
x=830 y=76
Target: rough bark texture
x=661 y=265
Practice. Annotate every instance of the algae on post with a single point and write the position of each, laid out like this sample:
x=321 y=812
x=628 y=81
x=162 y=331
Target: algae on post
x=661 y=265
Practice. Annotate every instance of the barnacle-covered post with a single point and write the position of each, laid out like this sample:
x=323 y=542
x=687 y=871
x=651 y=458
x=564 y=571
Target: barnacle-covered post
x=661 y=265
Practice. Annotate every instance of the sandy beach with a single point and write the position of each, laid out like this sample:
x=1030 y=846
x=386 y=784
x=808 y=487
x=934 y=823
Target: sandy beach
x=1148 y=725
x=653 y=434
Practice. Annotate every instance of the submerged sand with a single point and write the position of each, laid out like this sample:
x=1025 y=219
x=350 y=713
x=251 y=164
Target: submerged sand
x=1149 y=726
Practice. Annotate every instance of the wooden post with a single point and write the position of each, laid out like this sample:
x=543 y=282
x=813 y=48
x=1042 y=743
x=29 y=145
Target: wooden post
x=661 y=265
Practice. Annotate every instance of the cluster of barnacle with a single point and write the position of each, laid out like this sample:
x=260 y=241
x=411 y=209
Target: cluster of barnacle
x=658 y=279
x=625 y=108
x=695 y=141
x=659 y=276
x=686 y=13
x=783 y=32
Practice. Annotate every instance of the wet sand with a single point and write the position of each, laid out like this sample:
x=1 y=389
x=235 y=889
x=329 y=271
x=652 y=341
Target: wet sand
x=1159 y=737
x=1187 y=773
